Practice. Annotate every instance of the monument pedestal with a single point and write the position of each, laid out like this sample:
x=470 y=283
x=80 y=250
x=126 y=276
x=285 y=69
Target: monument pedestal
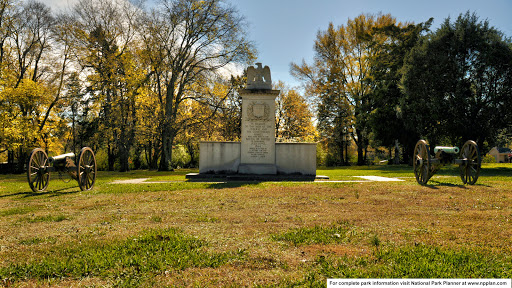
x=258 y=151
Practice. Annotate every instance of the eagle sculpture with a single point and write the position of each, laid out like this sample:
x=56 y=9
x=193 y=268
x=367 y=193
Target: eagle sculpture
x=258 y=77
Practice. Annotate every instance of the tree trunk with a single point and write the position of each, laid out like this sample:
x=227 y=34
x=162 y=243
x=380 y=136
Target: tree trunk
x=124 y=144
x=360 y=156
x=111 y=157
x=165 y=159
x=10 y=160
x=191 y=152
x=360 y=148
x=22 y=158
x=152 y=155
x=340 y=149
x=124 y=157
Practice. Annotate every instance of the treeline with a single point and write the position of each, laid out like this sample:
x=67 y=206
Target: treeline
x=377 y=82
x=142 y=85
x=129 y=81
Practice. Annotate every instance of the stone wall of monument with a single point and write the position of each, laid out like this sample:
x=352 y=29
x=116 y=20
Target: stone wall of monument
x=296 y=158
x=219 y=157
x=290 y=158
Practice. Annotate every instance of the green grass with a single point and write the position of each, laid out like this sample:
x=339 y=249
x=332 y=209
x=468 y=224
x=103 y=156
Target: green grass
x=15 y=185
x=207 y=219
x=405 y=171
x=391 y=261
x=38 y=240
x=419 y=261
x=18 y=211
x=150 y=253
x=344 y=173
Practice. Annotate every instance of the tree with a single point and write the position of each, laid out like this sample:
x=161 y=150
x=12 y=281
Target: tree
x=457 y=83
x=147 y=132
x=103 y=34
x=386 y=121
x=230 y=116
x=30 y=85
x=293 y=117
x=6 y=25
x=188 y=43
x=340 y=79
x=7 y=18
x=207 y=124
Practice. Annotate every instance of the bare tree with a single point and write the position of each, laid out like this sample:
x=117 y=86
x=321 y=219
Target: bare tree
x=189 y=43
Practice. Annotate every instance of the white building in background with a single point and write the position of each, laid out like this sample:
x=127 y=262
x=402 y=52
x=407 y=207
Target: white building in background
x=502 y=155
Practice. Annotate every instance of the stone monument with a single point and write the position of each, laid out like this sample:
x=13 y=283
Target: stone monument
x=257 y=153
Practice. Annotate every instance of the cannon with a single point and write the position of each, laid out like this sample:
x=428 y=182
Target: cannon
x=426 y=163
x=39 y=166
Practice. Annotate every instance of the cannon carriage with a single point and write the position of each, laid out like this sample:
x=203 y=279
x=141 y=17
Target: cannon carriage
x=39 y=166
x=426 y=163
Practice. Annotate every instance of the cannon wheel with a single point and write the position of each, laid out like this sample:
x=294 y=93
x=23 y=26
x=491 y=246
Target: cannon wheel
x=38 y=175
x=86 y=169
x=470 y=168
x=421 y=163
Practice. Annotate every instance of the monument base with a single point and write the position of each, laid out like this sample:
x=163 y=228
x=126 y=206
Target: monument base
x=258 y=169
x=224 y=158
x=198 y=177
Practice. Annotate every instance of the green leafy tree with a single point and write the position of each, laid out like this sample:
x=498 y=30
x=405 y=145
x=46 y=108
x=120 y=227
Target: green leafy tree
x=104 y=45
x=457 y=83
x=386 y=121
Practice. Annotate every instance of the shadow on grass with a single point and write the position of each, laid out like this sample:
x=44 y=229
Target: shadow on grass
x=448 y=170
x=436 y=184
x=220 y=181
x=497 y=171
x=231 y=184
x=52 y=193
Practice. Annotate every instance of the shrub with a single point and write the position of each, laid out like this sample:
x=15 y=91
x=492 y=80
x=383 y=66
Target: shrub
x=488 y=159
x=180 y=156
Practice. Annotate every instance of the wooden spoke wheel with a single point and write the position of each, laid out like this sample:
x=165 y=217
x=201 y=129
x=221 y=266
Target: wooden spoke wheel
x=470 y=167
x=38 y=175
x=421 y=162
x=86 y=169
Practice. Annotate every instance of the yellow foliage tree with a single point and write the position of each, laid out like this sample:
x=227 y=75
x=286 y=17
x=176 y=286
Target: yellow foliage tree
x=294 y=120
x=29 y=83
x=341 y=79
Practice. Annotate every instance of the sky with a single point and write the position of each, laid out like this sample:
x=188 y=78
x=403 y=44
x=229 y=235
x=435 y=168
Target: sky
x=284 y=31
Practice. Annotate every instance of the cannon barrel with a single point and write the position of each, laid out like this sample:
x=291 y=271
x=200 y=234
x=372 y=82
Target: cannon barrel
x=61 y=158
x=449 y=150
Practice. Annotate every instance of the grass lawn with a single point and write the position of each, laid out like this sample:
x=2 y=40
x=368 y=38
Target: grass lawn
x=268 y=234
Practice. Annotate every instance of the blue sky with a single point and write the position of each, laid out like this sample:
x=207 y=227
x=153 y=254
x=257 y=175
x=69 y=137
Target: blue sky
x=284 y=31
